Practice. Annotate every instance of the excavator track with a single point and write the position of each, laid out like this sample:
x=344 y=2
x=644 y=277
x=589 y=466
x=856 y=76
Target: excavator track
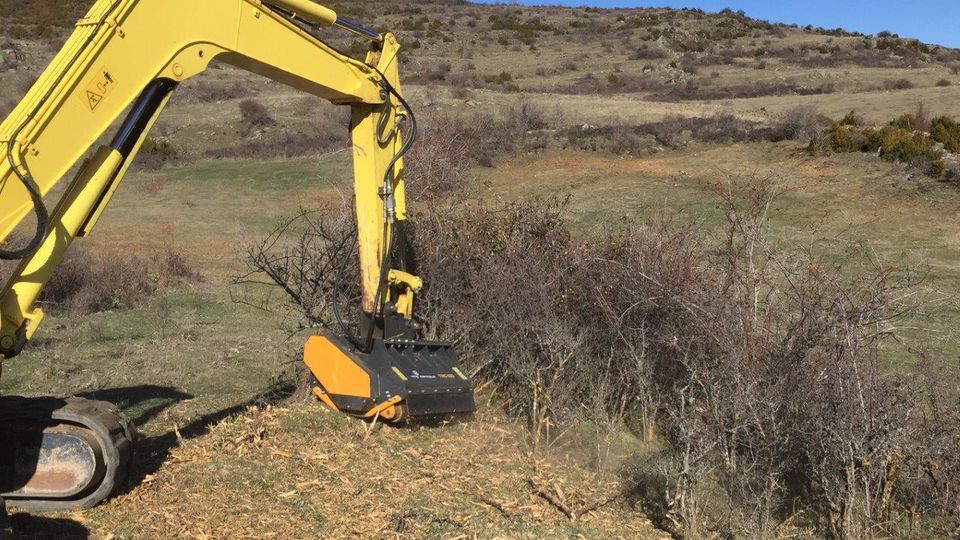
x=63 y=454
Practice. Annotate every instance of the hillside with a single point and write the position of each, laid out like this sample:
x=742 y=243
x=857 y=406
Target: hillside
x=627 y=116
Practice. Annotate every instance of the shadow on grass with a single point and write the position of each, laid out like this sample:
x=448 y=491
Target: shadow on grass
x=143 y=403
x=33 y=527
x=140 y=403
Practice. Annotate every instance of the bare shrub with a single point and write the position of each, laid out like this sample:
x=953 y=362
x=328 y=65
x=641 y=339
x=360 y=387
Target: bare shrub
x=88 y=283
x=216 y=91
x=171 y=266
x=619 y=140
x=897 y=84
x=312 y=258
x=254 y=114
x=673 y=131
x=646 y=52
x=450 y=143
x=285 y=142
x=439 y=162
x=756 y=365
x=694 y=90
x=942 y=83
x=775 y=391
x=461 y=91
x=155 y=153
x=328 y=131
x=800 y=123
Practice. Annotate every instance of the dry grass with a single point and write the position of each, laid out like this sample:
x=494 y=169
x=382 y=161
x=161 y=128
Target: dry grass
x=304 y=472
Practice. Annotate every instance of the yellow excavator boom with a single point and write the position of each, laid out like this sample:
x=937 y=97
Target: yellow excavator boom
x=130 y=55
x=121 y=48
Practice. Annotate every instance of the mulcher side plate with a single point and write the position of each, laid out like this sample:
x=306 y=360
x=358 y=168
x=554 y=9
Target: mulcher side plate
x=426 y=375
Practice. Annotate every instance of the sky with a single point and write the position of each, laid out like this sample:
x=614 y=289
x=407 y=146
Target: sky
x=931 y=21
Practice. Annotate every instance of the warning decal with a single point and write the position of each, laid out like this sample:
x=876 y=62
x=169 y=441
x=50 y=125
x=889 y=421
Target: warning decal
x=94 y=99
x=98 y=88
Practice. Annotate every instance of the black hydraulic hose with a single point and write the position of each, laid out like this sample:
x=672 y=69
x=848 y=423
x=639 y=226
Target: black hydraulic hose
x=36 y=197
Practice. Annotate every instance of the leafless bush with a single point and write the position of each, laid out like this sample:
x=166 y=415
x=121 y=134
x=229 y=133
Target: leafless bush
x=312 y=257
x=897 y=84
x=646 y=52
x=87 y=283
x=673 y=131
x=756 y=365
x=254 y=114
x=286 y=142
x=694 y=90
x=619 y=140
x=775 y=390
x=439 y=162
x=800 y=123
x=216 y=91
x=449 y=144
x=328 y=131
x=612 y=83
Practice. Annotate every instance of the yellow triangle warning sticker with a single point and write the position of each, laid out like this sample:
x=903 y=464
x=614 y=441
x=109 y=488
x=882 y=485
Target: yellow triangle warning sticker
x=97 y=89
x=93 y=99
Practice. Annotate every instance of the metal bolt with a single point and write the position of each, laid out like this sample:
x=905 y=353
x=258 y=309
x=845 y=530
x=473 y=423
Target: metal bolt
x=6 y=342
x=383 y=94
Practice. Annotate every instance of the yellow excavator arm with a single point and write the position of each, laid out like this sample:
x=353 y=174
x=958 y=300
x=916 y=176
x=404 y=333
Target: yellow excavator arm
x=130 y=55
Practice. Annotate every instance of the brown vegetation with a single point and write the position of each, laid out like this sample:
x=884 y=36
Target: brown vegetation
x=254 y=114
x=85 y=283
x=155 y=153
x=213 y=91
x=897 y=84
x=754 y=363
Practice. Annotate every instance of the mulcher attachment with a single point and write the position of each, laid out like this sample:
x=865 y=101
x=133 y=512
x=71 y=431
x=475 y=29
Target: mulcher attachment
x=61 y=454
x=396 y=380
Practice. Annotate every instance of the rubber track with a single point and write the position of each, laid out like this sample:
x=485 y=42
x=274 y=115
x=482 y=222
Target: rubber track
x=109 y=425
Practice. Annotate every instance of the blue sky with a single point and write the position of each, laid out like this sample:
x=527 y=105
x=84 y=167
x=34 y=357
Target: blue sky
x=932 y=21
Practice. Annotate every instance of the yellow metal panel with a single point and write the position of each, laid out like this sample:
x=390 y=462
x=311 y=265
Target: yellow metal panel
x=16 y=304
x=336 y=372
x=140 y=41
x=95 y=214
x=309 y=10
x=370 y=161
